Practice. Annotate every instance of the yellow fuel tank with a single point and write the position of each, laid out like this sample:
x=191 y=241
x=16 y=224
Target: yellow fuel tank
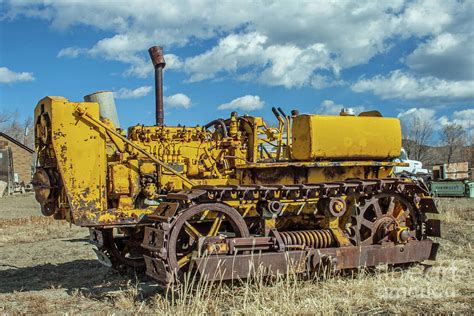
x=345 y=137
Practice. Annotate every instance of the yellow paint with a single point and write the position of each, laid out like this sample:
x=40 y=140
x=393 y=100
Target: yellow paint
x=104 y=173
x=345 y=137
x=79 y=149
x=119 y=179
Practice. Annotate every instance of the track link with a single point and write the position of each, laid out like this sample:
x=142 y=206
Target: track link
x=274 y=249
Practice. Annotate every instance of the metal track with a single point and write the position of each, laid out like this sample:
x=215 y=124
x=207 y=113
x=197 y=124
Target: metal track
x=273 y=249
x=119 y=253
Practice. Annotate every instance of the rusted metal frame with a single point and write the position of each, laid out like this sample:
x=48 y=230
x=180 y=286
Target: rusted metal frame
x=280 y=245
x=433 y=227
x=330 y=189
x=322 y=164
x=411 y=188
x=297 y=191
x=272 y=246
x=164 y=212
x=240 y=266
x=373 y=255
x=186 y=195
x=291 y=192
x=251 y=244
x=217 y=193
x=264 y=192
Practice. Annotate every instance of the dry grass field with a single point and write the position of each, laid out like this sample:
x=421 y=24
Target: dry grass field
x=48 y=267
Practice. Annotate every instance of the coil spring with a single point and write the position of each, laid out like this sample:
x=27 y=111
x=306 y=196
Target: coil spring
x=322 y=238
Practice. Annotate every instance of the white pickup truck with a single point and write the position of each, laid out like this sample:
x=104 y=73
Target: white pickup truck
x=414 y=169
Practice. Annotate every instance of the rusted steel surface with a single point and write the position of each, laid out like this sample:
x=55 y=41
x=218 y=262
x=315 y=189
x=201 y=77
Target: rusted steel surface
x=236 y=245
x=158 y=60
x=241 y=266
x=302 y=191
x=321 y=238
x=433 y=228
x=158 y=270
x=214 y=257
x=322 y=164
x=164 y=212
x=373 y=255
x=226 y=267
x=214 y=268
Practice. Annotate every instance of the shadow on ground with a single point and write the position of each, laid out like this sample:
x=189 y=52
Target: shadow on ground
x=86 y=276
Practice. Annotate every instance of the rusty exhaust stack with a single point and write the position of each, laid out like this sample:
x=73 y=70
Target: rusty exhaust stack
x=158 y=60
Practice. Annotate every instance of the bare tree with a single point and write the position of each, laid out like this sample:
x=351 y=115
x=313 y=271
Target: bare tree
x=471 y=152
x=21 y=131
x=453 y=138
x=417 y=134
x=14 y=129
x=4 y=118
x=28 y=132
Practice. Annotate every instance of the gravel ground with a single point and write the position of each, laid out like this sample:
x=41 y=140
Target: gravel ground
x=19 y=206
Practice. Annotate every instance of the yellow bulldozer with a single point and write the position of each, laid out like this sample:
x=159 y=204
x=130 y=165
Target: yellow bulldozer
x=234 y=196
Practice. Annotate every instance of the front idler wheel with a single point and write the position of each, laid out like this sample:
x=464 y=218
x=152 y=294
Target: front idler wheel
x=198 y=222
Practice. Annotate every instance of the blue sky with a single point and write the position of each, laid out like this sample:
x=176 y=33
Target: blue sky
x=405 y=59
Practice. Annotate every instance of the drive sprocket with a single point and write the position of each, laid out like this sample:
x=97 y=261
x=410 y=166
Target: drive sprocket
x=381 y=218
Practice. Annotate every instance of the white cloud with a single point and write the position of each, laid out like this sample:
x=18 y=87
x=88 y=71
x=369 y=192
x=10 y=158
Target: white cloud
x=321 y=82
x=125 y=93
x=329 y=107
x=71 y=52
x=425 y=17
x=232 y=52
x=351 y=33
x=285 y=65
x=272 y=42
x=465 y=118
x=448 y=56
x=406 y=86
x=173 y=61
x=291 y=66
x=422 y=114
x=178 y=100
x=245 y=103
x=9 y=76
